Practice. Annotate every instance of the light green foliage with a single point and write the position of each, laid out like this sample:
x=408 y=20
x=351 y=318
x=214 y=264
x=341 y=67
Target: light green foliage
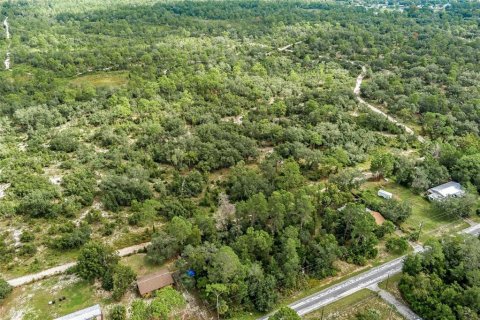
x=166 y=302
x=118 y=312
x=382 y=164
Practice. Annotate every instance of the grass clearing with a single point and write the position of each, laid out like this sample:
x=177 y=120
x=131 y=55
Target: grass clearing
x=348 y=307
x=110 y=79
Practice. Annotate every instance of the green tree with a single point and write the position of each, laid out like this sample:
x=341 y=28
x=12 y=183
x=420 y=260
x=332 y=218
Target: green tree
x=382 y=164
x=289 y=176
x=456 y=207
x=285 y=313
x=217 y=290
x=397 y=245
x=118 y=312
x=95 y=260
x=123 y=278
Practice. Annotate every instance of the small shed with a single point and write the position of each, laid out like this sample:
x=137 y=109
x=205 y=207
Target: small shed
x=154 y=281
x=91 y=313
x=384 y=194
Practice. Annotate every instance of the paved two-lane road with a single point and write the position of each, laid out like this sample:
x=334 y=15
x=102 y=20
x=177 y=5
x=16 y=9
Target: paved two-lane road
x=356 y=283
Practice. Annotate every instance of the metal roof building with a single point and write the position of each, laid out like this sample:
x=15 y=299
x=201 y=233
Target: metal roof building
x=91 y=313
x=446 y=190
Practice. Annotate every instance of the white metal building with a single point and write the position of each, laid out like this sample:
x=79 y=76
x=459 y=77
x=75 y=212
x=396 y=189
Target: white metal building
x=446 y=190
x=91 y=313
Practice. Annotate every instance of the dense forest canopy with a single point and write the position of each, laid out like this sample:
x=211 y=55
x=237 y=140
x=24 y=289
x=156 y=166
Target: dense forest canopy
x=229 y=134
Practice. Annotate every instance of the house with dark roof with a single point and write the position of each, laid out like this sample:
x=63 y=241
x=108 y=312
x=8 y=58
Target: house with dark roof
x=90 y=313
x=154 y=281
x=446 y=190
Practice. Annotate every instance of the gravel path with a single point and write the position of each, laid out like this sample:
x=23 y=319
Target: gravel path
x=17 y=282
x=403 y=309
x=356 y=91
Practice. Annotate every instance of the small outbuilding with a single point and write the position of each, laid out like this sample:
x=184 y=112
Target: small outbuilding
x=384 y=194
x=91 y=313
x=446 y=190
x=154 y=281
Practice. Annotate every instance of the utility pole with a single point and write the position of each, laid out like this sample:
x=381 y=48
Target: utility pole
x=388 y=278
x=323 y=310
x=420 y=229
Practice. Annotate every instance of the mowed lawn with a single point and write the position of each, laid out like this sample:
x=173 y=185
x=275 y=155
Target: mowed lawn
x=433 y=223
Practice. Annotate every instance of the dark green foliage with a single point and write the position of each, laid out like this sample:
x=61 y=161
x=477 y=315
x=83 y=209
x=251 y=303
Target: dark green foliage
x=66 y=142
x=396 y=211
x=189 y=185
x=27 y=236
x=72 y=237
x=123 y=278
x=5 y=289
x=369 y=314
x=383 y=164
x=95 y=261
x=244 y=182
x=81 y=184
x=456 y=207
x=442 y=283
x=121 y=191
x=397 y=245
x=38 y=203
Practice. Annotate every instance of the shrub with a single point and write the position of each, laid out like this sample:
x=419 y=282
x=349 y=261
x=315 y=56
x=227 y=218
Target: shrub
x=5 y=289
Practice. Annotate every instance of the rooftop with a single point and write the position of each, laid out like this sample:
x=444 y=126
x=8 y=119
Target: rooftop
x=84 y=314
x=154 y=281
x=447 y=189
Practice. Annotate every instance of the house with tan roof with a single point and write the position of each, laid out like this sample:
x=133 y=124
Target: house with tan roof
x=154 y=281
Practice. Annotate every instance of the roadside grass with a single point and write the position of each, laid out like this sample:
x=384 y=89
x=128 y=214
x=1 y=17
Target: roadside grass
x=349 y=307
x=112 y=79
x=391 y=285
